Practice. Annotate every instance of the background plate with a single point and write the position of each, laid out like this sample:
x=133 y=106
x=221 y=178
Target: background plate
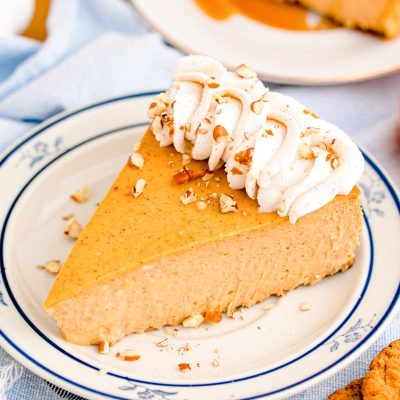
x=311 y=58
x=261 y=354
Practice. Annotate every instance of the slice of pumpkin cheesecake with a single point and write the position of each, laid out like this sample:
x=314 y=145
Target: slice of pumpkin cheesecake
x=380 y=16
x=234 y=195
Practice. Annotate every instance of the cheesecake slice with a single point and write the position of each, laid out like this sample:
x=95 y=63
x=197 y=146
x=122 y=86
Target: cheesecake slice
x=184 y=235
x=380 y=16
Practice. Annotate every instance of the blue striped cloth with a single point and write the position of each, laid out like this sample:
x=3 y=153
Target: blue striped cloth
x=98 y=49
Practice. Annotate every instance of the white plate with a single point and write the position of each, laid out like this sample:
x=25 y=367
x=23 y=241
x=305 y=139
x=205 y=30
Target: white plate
x=272 y=354
x=313 y=57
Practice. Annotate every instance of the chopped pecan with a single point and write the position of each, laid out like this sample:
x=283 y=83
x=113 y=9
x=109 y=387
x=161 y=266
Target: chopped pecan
x=104 y=347
x=81 y=195
x=245 y=72
x=188 y=175
x=184 y=367
x=305 y=152
x=236 y=171
x=73 y=228
x=194 y=321
x=244 y=157
x=227 y=203
x=128 y=355
x=219 y=132
x=256 y=107
x=308 y=112
x=155 y=109
x=188 y=197
x=136 y=160
x=137 y=190
x=212 y=84
x=52 y=266
x=213 y=317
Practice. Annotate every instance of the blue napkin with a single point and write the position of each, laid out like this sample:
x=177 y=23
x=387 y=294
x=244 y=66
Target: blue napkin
x=95 y=49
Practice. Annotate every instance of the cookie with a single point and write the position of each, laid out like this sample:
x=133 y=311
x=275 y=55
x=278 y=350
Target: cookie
x=382 y=382
x=351 y=392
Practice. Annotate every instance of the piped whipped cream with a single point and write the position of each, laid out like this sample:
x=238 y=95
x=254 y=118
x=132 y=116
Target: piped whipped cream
x=272 y=146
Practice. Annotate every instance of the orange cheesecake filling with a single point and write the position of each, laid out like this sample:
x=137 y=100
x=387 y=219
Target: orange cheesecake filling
x=145 y=229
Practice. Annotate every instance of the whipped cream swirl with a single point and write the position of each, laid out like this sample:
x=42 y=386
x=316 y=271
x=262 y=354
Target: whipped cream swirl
x=282 y=154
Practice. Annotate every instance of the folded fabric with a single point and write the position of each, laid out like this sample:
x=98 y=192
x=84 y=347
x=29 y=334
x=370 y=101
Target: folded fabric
x=95 y=49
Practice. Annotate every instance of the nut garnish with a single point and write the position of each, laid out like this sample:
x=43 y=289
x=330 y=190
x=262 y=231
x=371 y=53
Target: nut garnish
x=215 y=363
x=219 y=132
x=52 y=266
x=188 y=197
x=310 y=130
x=335 y=162
x=244 y=157
x=213 y=195
x=187 y=175
x=168 y=120
x=201 y=205
x=308 y=112
x=136 y=160
x=236 y=171
x=306 y=306
x=245 y=72
x=156 y=108
x=256 y=106
x=81 y=195
x=213 y=317
x=187 y=127
x=220 y=99
x=162 y=97
x=104 y=347
x=182 y=350
x=184 y=367
x=137 y=190
x=128 y=355
x=186 y=159
x=268 y=132
x=208 y=175
x=333 y=159
x=194 y=321
x=212 y=84
x=156 y=125
x=305 y=152
x=73 y=228
x=322 y=146
x=227 y=203
x=203 y=126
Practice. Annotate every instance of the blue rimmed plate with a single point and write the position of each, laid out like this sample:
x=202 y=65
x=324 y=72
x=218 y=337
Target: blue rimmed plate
x=258 y=354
